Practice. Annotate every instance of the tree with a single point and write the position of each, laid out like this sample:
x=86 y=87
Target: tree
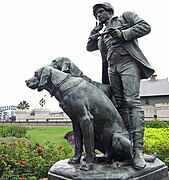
x=42 y=102
x=23 y=105
x=32 y=113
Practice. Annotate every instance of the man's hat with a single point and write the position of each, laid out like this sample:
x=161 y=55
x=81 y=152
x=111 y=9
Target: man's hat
x=104 y=5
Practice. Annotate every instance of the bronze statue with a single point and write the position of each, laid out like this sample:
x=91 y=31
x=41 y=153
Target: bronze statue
x=124 y=65
x=95 y=120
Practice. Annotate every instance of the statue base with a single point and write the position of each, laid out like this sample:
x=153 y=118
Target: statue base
x=61 y=170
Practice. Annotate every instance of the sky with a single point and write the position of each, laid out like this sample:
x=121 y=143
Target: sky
x=34 y=32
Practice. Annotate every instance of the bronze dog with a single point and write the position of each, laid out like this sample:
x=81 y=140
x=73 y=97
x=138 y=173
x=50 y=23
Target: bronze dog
x=64 y=64
x=95 y=120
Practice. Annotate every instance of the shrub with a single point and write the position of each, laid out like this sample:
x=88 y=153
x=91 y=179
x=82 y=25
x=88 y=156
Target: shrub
x=157 y=140
x=156 y=124
x=16 y=131
x=23 y=159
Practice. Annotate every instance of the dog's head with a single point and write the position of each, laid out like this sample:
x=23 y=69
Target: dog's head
x=46 y=78
x=66 y=65
x=40 y=79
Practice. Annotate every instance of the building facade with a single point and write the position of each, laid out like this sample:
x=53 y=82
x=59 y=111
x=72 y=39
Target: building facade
x=154 y=95
x=8 y=113
x=40 y=114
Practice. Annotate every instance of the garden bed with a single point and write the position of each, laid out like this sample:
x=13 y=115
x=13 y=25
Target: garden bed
x=28 y=153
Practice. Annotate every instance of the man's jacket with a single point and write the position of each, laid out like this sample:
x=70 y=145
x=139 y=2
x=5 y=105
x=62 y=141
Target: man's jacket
x=132 y=27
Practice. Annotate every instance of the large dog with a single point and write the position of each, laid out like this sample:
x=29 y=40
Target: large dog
x=64 y=64
x=95 y=120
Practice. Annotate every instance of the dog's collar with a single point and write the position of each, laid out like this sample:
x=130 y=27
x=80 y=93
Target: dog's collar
x=57 y=88
x=81 y=74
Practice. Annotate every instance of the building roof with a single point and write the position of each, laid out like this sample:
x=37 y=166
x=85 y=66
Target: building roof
x=154 y=87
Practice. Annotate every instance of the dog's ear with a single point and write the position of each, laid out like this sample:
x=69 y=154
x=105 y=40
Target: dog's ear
x=74 y=70
x=69 y=67
x=44 y=78
x=55 y=76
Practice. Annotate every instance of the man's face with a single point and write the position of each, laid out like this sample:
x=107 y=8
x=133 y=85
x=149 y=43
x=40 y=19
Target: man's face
x=103 y=15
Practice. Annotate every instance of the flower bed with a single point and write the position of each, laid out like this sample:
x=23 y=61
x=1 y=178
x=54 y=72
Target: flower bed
x=21 y=159
x=24 y=160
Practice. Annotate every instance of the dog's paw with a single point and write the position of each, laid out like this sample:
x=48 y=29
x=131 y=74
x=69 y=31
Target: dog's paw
x=119 y=164
x=86 y=166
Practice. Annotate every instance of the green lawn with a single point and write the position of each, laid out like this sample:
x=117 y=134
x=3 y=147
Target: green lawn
x=53 y=134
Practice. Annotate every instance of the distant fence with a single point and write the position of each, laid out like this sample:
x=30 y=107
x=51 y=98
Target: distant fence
x=38 y=122
x=164 y=119
x=58 y=121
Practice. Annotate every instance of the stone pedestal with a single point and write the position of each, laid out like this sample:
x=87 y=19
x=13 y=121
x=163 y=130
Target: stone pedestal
x=61 y=170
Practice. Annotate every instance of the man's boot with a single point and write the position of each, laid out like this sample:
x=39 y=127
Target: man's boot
x=138 y=159
x=124 y=113
x=137 y=118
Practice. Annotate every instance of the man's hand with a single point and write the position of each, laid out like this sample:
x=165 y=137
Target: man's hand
x=95 y=32
x=94 y=36
x=98 y=27
x=115 y=33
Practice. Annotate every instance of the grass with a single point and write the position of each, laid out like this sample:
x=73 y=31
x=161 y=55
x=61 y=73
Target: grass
x=53 y=134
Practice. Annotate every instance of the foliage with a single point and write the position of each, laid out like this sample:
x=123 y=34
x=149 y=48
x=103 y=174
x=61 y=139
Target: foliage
x=10 y=140
x=156 y=124
x=16 y=131
x=157 y=140
x=13 y=118
x=22 y=158
x=29 y=161
x=23 y=105
x=32 y=113
x=42 y=102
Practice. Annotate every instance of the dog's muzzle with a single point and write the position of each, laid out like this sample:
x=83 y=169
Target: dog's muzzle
x=32 y=83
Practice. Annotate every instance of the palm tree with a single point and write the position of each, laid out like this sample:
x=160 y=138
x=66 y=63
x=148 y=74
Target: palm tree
x=23 y=105
x=42 y=102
